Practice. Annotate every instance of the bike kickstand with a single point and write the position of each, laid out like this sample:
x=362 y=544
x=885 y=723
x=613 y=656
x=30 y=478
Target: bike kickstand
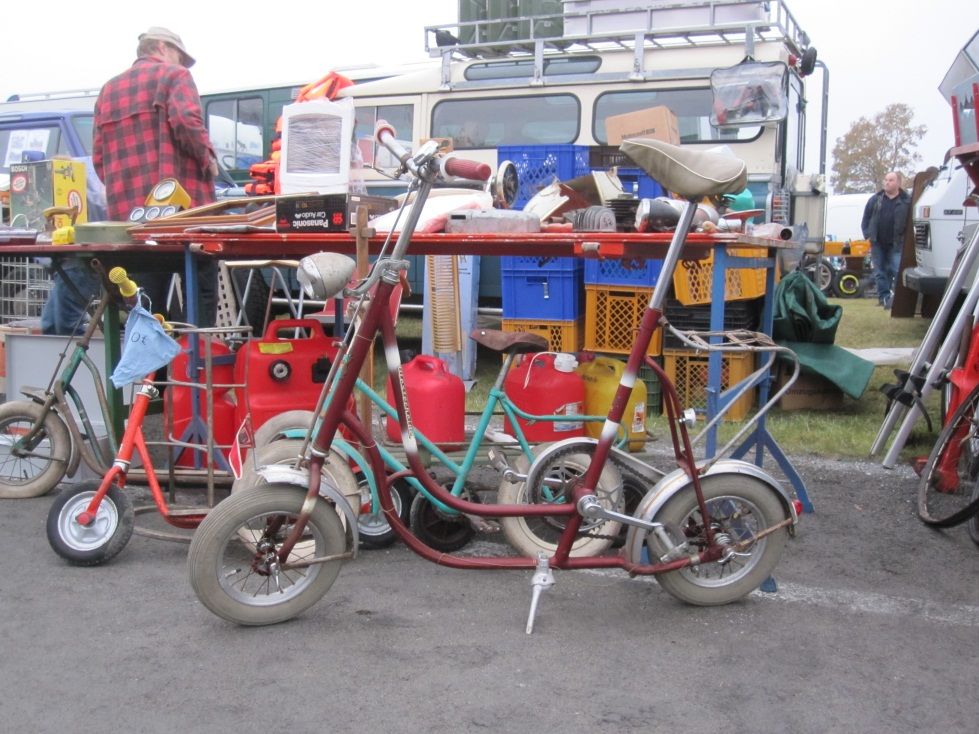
x=542 y=581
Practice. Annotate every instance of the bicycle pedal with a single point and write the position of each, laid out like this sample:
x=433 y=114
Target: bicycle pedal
x=482 y=525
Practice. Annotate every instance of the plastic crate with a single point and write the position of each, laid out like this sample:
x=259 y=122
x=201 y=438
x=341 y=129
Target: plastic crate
x=538 y=165
x=654 y=390
x=562 y=336
x=612 y=316
x=641 y=273
x=641 y=184
x=537 y=262
x=687 y=370
x=737 y=315
x=694 y=279
x=541 y=294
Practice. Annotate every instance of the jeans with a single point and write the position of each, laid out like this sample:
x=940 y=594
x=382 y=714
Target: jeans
x=63 y=312
x=887 y=261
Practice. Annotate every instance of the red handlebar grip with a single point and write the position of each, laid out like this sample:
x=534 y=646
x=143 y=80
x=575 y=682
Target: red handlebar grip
x=383 y=126
x=472 y=170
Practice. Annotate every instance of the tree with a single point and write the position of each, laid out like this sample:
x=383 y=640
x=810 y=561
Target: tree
x=872 y=148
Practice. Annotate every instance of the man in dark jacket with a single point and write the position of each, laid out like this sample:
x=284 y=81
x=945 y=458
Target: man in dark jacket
x=884 y=220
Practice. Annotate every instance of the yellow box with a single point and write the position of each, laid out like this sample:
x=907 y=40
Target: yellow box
x=612 y=316
x=694 y=279
x=34 y=187
x=687 y=370
x=562 y=336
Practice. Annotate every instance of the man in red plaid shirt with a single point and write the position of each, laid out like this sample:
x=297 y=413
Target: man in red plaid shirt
x=149 y=126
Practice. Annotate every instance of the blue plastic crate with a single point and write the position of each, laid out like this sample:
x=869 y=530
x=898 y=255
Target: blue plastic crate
x=642 y=273
x=536 y=262
x=538 y=165
x=551 y=295
x=642 y=185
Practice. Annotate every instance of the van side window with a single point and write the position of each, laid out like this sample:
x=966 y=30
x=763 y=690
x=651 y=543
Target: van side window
x=490 y=122
x=691 y=107
x=235 y=128
x=366 y=117
x=45 y=139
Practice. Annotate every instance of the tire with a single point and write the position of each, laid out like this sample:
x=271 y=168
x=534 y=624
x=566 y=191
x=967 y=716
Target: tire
x=104 y=538
x=532 y=535
x=230 y=579
x=40 y=472
x=375 y=530
x=847 y=284
x=973 y=524
x=754 y=507
x=820 y=273
x=946 y=495
x=438 y=529
x=273 y=429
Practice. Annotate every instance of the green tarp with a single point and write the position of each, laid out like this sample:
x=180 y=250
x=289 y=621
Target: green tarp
x=806 y=323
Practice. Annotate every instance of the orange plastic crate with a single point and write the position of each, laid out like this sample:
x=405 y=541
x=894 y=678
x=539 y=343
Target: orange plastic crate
x=693 y=279
x=687 y=370
x=612 y=316
x=562 y=336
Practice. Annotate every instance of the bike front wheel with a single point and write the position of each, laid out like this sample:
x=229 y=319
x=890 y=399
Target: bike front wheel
x=31 y=468
x=233 y=557
x=739 y=507
x=946 y=494
x=100 y=540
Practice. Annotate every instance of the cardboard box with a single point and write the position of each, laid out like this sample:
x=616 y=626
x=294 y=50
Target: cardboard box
x=658 y=123
x=36 y=186
x=325 y=212
x=809 y=392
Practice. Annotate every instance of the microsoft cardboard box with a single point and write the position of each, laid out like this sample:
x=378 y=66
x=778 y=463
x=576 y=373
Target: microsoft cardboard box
x=34 y=187
x=658 y=123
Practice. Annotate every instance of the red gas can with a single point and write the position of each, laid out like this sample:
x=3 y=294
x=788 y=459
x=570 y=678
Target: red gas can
x=178 y=417
x=286 y=368
x=546 y=384
x=436 y=399
x=222 y=362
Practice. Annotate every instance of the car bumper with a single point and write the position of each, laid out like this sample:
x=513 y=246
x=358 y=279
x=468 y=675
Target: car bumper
x=925 y=283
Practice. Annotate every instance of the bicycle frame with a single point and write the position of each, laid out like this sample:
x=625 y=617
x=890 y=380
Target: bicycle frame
x=378 y=319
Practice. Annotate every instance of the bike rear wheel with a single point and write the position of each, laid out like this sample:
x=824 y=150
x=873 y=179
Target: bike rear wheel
x=739 y=507
x=34 y=470
x=233 y=556
x=946 y=494
x=532 y=535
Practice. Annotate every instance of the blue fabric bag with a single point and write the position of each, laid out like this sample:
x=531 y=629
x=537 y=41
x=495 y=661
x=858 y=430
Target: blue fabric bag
x=146 y=348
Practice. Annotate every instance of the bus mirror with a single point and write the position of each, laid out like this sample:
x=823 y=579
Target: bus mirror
x=750 y=93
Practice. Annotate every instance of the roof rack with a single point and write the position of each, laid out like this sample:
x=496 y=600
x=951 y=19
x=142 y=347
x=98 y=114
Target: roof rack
x=697 y=23
x=61 y=94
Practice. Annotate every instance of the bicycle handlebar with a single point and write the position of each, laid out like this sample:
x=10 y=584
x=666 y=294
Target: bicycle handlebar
x=451 y=167
x=119 y=277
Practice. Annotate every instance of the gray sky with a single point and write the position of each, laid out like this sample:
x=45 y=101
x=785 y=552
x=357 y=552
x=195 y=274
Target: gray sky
x=877 y=51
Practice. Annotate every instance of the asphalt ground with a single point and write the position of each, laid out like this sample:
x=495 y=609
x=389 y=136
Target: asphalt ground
x=874 y=628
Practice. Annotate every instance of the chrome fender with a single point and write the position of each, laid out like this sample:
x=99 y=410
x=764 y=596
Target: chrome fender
x=281 y=474
x=677 y=480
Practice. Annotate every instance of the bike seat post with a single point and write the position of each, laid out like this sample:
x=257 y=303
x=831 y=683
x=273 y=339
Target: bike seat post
x=673 y=253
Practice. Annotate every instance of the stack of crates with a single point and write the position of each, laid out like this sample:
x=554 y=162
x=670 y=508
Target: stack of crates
x=616 y=294
x=542 y=295
x=687 y=370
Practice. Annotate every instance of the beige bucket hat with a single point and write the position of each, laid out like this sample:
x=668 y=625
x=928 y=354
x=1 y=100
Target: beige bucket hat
x=159 y=33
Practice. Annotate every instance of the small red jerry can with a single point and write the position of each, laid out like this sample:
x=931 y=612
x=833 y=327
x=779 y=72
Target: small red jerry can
x=546 y=384
x=436 y=400
x=285 y=369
